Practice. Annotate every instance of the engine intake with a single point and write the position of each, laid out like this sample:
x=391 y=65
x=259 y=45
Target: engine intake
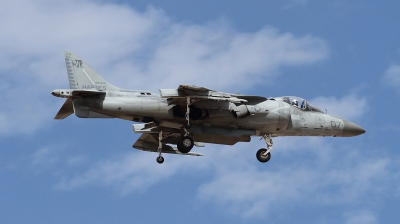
x=241 y=111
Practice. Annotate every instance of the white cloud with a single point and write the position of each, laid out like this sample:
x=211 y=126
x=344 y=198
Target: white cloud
x=212 y=56
x=44 y=156
x=128 y=48
x=322 y=177
x=349 y=107
x=24 y=109
x=361 y=217
x=127 y=173
x=392 y=76
x=316 y=173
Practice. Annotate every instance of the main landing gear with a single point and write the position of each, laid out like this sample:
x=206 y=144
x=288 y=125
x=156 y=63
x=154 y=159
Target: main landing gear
x=264 y=155
x=186 y=143
x=160 y=159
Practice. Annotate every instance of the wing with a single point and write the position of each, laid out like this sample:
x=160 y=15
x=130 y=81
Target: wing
x=149 y=143
x=201 y=94
x=172 y=132
x=180 y=95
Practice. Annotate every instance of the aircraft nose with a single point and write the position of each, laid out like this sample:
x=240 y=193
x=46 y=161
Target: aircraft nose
x=351 y=129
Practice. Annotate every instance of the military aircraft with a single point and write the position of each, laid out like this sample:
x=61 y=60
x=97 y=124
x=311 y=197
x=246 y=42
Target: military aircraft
x=191 y=115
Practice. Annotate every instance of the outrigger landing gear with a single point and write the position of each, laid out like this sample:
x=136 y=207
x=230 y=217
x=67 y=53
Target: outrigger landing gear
x=160 y=159
x=264 y=155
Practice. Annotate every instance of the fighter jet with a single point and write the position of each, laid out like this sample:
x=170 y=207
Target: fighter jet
x=177 y=119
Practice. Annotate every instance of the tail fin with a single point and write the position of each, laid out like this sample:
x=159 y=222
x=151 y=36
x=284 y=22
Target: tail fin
x=82 y=76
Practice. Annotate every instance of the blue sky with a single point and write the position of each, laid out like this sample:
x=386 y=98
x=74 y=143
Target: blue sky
x=343 y=56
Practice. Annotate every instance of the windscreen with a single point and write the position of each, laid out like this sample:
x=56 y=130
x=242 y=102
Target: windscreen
x=300 y=103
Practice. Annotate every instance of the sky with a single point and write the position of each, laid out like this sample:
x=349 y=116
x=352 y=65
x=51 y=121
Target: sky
x=342 y=56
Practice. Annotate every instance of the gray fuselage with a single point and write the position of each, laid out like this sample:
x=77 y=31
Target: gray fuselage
x=272 y=116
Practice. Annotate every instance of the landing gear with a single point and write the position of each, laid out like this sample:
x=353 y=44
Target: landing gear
x=160 y=159
x=185 y=144
x=264 y=155
x=187 y=115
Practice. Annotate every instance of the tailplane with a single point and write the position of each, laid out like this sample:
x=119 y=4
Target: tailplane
x=82 y=76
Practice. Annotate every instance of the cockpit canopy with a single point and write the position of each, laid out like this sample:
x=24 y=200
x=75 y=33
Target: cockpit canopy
x=300 y=103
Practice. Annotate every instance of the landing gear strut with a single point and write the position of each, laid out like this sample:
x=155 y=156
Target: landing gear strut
x=186 y=143
x=160 y=159
x=264 y=155
x=187 y=115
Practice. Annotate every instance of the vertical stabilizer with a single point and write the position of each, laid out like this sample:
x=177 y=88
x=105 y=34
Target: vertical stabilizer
x=82 y=76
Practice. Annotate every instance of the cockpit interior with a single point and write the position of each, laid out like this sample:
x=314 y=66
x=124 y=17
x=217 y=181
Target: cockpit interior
x=300 y=103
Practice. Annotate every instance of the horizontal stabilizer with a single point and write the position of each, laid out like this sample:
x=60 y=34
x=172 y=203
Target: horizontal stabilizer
x=66 y=110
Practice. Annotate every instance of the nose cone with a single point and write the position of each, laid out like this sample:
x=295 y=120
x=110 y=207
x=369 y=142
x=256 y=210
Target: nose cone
x=350 y=129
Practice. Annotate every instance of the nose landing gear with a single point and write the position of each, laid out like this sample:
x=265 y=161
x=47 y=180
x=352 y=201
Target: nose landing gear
x=264 y=155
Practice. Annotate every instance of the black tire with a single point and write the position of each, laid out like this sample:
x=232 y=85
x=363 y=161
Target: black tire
x=185 y=144
x=262 y=158
x=160 y=159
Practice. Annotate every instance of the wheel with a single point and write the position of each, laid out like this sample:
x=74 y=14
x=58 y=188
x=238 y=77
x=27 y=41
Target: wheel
x=261 y=157
x=185 y=144
x=160 y=159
